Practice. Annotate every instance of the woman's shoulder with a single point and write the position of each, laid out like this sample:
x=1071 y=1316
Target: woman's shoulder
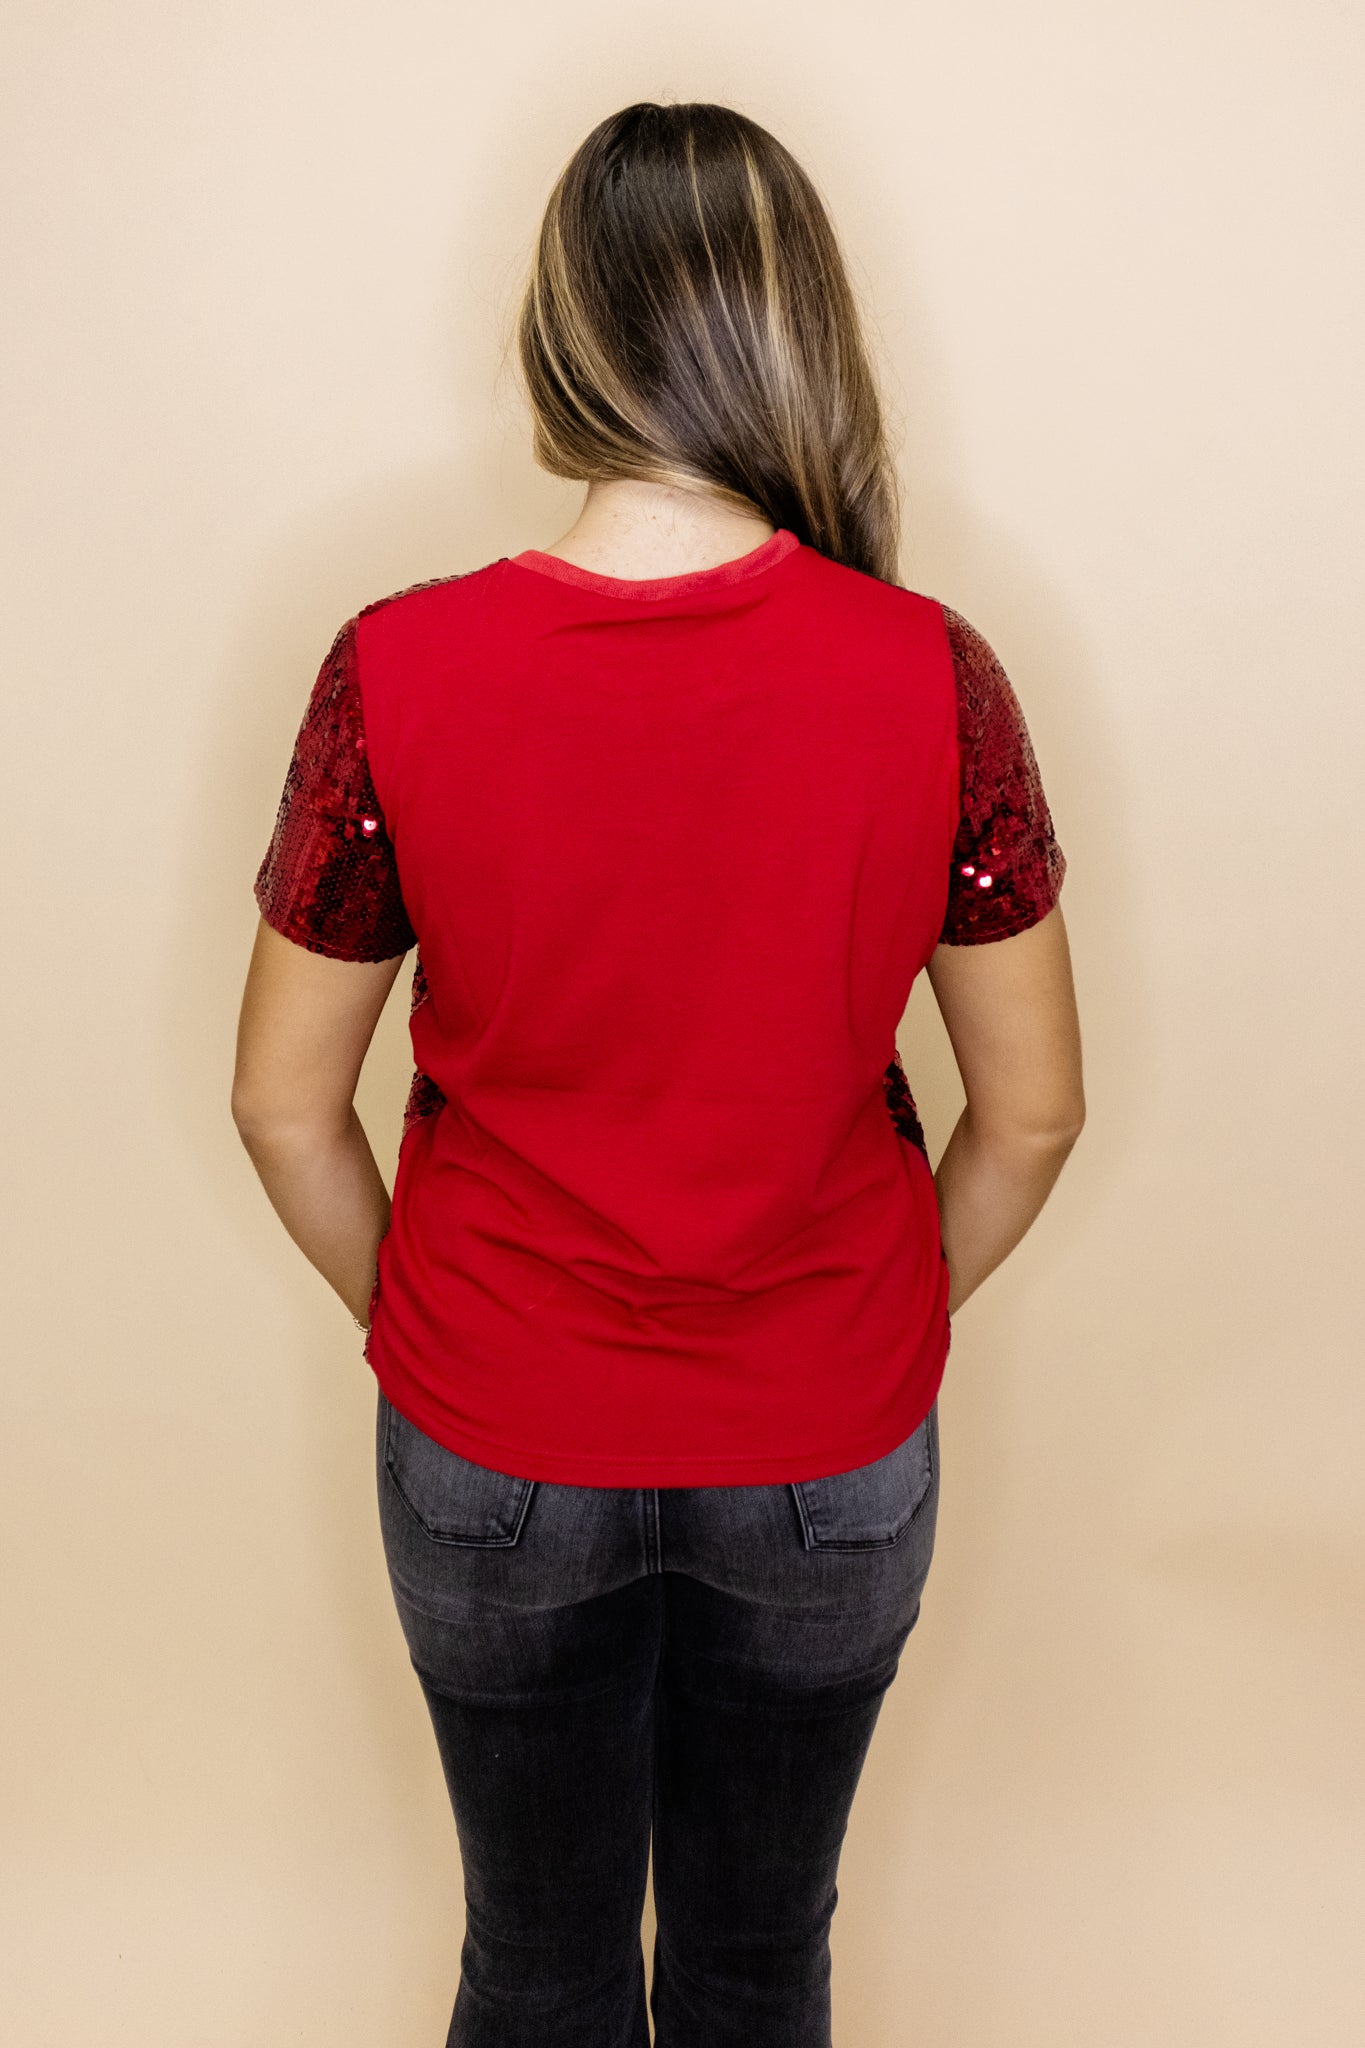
x=408 y=604
x=425 y=589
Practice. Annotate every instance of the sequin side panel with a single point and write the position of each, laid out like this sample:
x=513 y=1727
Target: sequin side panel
x=1007 y=867
x=901 y=1104
x=329 y=880
x=424 y=1096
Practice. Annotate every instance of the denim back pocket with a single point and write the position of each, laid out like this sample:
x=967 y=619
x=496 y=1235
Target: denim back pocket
x=454 y=1500
x=870 y=1507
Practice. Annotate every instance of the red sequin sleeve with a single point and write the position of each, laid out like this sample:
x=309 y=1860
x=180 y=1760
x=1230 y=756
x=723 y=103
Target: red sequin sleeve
x=329 y=880
x=1007 y=867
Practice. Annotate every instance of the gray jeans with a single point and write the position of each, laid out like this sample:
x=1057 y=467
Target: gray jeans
x=606 y=1668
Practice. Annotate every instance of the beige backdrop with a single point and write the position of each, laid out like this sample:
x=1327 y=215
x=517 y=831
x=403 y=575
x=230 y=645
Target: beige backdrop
x=260 y=262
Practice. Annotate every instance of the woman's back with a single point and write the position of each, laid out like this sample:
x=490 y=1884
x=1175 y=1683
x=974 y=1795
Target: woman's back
x=674 y=851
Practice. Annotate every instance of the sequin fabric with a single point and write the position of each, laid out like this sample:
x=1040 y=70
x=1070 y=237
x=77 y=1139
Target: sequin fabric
x=424 y=1096
x=328 y=880
x=1007 y=867
x=901 y=1104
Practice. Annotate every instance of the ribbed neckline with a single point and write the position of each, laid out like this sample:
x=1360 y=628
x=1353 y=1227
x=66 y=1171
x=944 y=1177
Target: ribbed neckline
x=766 y=555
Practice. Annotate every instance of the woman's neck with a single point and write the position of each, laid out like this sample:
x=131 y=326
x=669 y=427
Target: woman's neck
x=636 y=529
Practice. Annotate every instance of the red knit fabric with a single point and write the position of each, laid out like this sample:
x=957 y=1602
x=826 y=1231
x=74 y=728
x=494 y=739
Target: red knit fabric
x=673 y=851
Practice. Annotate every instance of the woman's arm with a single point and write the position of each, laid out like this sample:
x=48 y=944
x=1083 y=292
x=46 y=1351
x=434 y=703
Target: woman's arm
x=305 y=1026
x=1009 y=1007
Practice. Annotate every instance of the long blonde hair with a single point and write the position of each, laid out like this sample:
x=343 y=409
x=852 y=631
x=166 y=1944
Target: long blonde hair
x=689 y=318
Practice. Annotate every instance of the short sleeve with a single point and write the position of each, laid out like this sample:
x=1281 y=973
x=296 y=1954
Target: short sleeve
x=329 y=880
x=1007 y=867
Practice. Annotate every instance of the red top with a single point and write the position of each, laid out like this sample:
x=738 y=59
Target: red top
x=675 y=850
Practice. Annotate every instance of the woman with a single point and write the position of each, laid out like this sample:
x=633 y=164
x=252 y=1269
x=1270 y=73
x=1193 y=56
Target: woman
x=674 y=811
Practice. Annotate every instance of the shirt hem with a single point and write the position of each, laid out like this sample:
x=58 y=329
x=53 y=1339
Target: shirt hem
x=617 y=1469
